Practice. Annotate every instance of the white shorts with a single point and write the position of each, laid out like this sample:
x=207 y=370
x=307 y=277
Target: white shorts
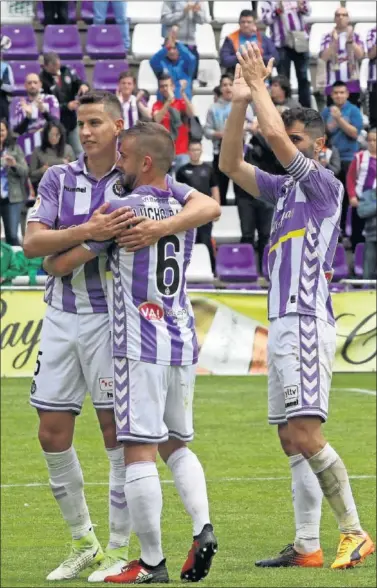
x=301 y=351
x=74 y=357
x=153 y=402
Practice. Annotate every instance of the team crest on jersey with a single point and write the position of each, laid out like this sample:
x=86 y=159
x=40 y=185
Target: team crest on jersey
x=151 y=311
x=118 y=188
x=36 y=206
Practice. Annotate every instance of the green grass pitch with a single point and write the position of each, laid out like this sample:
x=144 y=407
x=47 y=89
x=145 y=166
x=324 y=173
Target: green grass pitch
x=248 y=484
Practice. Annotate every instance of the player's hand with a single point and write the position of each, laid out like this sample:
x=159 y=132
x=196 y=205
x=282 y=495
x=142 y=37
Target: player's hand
x=40 y=105
x=350 y=33
x=335 y=35
x=102 y=226
x=241 y=91
x=252 y=64
x=27 y=109
x=144 y=232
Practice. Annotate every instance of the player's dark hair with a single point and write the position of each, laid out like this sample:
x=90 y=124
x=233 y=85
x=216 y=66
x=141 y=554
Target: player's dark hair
x=339 y=84
x=216 y=91
x=312 y=120
x=50 y=57
x=246 y=13
x=126 y=74
x=284 y=84
x=154 y=140
x=110 y=102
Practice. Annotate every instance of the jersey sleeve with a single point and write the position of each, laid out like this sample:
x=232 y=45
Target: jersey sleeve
x=269 y=185
x=46 y=206
x=180 y=191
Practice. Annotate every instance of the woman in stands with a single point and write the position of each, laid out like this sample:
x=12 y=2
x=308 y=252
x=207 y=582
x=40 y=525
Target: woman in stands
x=53 y=151
x=13 y=173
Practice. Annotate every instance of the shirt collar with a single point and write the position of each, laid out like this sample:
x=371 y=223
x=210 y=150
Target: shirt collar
x=79 y=167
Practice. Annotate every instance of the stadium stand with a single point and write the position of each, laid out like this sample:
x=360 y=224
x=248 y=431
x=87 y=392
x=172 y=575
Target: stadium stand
x=106 y=74
x=104 y=42
x=63 y=40
x=24 y=41
x=236 y=263
x=199 y=270
x=20 y=70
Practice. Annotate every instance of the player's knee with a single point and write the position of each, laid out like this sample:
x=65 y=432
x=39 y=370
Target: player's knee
x=138 y=452
x=55 y=432
x=169 y=447
x=306 y=435
x=286 y=440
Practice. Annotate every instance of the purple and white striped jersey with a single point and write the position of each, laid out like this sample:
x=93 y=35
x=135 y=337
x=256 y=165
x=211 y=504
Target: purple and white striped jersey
x=288 y=21
x=67 y=196
x=152 y=318
x=342 y=72
x=371 y=42
x=304 y=236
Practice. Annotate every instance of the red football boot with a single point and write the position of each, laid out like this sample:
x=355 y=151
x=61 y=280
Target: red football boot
x=199 y=559
x=136 y=572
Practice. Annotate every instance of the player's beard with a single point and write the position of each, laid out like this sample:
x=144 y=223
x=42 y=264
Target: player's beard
x=129 y=182
x=308 y=152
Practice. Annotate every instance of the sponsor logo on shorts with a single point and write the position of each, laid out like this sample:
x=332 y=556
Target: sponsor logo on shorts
x=151 y=311
x=106 y=385
x=33 y=388
x=291 y=396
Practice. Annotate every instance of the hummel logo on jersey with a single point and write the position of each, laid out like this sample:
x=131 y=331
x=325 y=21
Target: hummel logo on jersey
x=151 y=311
x=77 y=189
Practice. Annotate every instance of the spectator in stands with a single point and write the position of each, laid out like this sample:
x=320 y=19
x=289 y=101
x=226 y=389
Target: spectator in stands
x=290 y=36
x=53 y=151
x=342 y=50
x=32 y=113
x=343 y=122
x=329 y=157
x=63 y=82
x=372 y=77
x=134 y=107
x=55 y=13
x=174 y=114
x=182 y=17
x=100 y=8
x=200 y=175
x=6 y=78
x=281 y=92
x=175 y=60
x=361 y=188
x=247 y=31
x=13 y=172
x=214 y=130
x=216 y=93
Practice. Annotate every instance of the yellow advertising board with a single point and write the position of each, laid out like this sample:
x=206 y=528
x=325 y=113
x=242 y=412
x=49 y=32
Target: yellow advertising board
x=232 y=331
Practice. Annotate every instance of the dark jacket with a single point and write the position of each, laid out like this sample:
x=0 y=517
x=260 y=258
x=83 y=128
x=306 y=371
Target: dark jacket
x=231 y=45
x=68 y=91
x=17 y=175
x=260 y=154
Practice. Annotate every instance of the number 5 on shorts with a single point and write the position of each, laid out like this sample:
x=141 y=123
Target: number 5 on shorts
x=38 y=364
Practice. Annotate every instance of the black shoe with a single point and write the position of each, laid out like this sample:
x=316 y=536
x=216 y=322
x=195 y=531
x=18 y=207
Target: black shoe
x=289 y=557
x=199 y=559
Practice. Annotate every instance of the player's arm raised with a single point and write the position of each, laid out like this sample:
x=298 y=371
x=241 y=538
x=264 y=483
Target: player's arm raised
x=270 y=122
x=231 y=155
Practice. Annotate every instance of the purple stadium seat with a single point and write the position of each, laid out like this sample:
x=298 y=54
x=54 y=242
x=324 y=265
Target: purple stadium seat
x=242 y=286
x=20 y=70
x=87 y=12
x=105 y=42
x=64 y=40
x=77 y=66
x=340 y=265
x=194 y=286
x=359 y=260
x=265 y=263
x=106 y=74
x=71 y=12
x=236 y=263
x=348 y=229
x=24 y=42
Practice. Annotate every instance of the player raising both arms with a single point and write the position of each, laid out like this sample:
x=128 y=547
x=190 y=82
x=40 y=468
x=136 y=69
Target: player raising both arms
x=155 y=351
x=302 y=338
x=75 y=350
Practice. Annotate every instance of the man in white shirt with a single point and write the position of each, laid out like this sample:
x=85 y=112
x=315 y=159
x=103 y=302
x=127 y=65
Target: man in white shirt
x=133 y=107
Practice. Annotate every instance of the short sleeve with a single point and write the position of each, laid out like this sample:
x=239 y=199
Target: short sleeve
x=269 y=185
x=180 y=191
x=323 y=189
x=356 y=119
x=46 y=206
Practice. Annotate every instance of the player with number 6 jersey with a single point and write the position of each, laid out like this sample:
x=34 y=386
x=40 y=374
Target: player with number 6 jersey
x=155 y=351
